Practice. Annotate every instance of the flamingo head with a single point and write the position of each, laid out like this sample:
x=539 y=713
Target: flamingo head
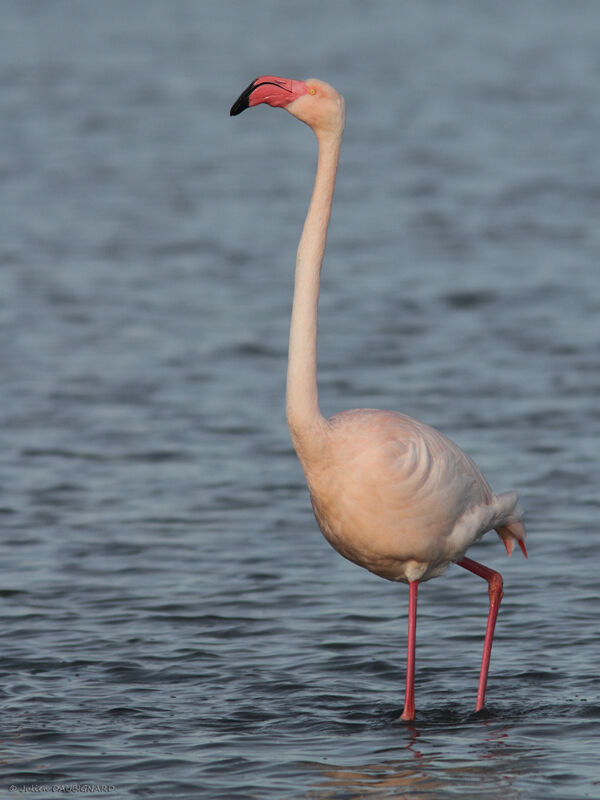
x=314 y=102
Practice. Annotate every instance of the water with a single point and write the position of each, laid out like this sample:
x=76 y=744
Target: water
x=173 y=623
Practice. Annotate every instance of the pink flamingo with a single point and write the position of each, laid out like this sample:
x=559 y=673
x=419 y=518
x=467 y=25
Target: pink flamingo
x=389 y=493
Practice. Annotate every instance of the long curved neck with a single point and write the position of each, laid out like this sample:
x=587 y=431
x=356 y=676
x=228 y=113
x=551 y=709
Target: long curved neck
x=304 y=417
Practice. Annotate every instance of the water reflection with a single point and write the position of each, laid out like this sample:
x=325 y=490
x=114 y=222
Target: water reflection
x=411 y=770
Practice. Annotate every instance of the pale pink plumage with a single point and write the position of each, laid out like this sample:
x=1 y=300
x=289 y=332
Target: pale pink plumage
x=389 y=492
x=399 y=498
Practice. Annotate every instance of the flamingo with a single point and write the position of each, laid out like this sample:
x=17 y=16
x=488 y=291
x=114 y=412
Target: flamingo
x=389 y=493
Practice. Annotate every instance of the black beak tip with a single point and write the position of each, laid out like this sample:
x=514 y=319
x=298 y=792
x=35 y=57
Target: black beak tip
x=241 y=104
x=243 y=101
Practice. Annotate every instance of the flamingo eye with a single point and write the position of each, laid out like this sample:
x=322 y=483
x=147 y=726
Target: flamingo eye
x=312 y=90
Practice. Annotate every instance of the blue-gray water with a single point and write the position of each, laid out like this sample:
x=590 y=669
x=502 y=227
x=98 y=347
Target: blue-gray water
x=172 y=622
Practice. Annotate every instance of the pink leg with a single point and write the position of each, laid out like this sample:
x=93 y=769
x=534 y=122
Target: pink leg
x=495 y=592
x=409 y=698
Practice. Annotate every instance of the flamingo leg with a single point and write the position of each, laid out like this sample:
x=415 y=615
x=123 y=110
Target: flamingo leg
x=495 y=592
x=409 y=698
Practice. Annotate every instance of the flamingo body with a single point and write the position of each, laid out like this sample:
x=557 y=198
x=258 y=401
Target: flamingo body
x=389 y=493
x=401 y=499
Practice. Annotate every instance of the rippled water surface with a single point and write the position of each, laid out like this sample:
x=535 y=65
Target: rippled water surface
x=173 y=623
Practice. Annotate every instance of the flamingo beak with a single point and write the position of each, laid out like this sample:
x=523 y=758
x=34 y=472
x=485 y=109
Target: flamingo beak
x=277 y=92
x=243 y=101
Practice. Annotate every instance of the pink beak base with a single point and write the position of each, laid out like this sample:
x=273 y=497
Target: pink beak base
x=277 y=92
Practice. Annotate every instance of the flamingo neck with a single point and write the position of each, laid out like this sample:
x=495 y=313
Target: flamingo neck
x=305 y=421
